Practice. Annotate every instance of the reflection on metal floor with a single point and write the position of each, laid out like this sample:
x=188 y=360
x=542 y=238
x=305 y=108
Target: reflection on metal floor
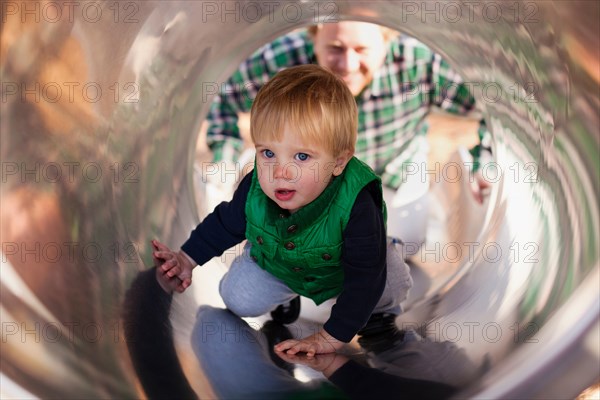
x=99 y=107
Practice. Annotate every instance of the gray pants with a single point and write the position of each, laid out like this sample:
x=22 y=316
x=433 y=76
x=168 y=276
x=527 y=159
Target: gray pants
x=250 y=291
x=234 y=356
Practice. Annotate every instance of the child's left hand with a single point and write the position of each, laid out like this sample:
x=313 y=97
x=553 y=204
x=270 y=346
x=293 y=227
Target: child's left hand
x=319 y=343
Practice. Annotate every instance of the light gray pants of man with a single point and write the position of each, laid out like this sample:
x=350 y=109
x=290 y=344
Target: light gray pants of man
x=250 y=291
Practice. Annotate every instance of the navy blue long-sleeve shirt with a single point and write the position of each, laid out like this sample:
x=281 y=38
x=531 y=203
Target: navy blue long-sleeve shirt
x=363 y=253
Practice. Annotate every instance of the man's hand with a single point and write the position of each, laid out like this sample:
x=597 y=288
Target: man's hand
x=319 y=343
x=173 y=264
x=480 y=187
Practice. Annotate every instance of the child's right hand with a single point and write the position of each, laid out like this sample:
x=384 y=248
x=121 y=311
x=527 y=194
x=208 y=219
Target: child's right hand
x=173 y=264
x=318 y=343
x=326 y=363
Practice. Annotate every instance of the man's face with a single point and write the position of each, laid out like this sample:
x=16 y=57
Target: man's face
x=352 y=50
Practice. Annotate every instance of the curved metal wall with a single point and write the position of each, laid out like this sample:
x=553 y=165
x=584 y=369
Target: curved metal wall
x=101 y=101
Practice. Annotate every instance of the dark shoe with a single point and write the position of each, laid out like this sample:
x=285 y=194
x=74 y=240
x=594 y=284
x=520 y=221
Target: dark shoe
x=380 y=333
x=276 y=332
x=287 y=313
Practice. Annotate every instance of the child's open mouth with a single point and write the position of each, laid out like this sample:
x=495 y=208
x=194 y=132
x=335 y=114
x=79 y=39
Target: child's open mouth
x=284 y=195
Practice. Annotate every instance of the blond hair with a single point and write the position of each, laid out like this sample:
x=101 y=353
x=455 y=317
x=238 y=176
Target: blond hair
x=312 y=102
x=388 y=34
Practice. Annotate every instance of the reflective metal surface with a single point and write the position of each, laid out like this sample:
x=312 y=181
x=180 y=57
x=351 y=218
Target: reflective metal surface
x=101 y=104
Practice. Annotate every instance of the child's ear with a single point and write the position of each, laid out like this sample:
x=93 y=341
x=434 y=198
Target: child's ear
x=341 y=161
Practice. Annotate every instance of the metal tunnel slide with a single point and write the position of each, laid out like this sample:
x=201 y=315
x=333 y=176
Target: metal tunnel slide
x=101 y=107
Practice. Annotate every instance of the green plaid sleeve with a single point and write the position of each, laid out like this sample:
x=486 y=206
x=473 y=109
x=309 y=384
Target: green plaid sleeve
x=485 y=141
x=240 y=90
x=451 y=94
x=223 y=135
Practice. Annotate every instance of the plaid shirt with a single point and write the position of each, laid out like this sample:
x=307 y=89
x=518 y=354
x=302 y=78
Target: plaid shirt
x=391 y=109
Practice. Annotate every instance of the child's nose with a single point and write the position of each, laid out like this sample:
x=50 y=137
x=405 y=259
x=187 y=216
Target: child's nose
x=284 y=171
x=278 y=171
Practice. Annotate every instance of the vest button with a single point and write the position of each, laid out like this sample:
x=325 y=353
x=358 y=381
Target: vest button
x=290 y=246
x=292 y=228
x=310 y=279
x=260 y=240
x=326 y=256
x=297 y=269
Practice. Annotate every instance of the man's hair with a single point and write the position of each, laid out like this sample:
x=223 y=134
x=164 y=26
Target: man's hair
x=389 y=34
x=314 y=103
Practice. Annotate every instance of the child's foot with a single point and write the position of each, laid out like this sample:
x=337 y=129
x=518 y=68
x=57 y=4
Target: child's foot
x=287 y=313
x=380 y=333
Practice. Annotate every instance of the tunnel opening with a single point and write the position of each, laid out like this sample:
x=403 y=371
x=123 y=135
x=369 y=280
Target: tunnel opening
x=532 y=313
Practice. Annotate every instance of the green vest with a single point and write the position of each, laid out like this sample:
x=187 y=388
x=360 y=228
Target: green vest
x=304 y=249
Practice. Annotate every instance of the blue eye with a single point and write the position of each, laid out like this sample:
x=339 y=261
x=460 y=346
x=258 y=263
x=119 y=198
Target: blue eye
x=302 y=156
x=268 y=153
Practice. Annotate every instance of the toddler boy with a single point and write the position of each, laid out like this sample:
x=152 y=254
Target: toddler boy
x=312 y=214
